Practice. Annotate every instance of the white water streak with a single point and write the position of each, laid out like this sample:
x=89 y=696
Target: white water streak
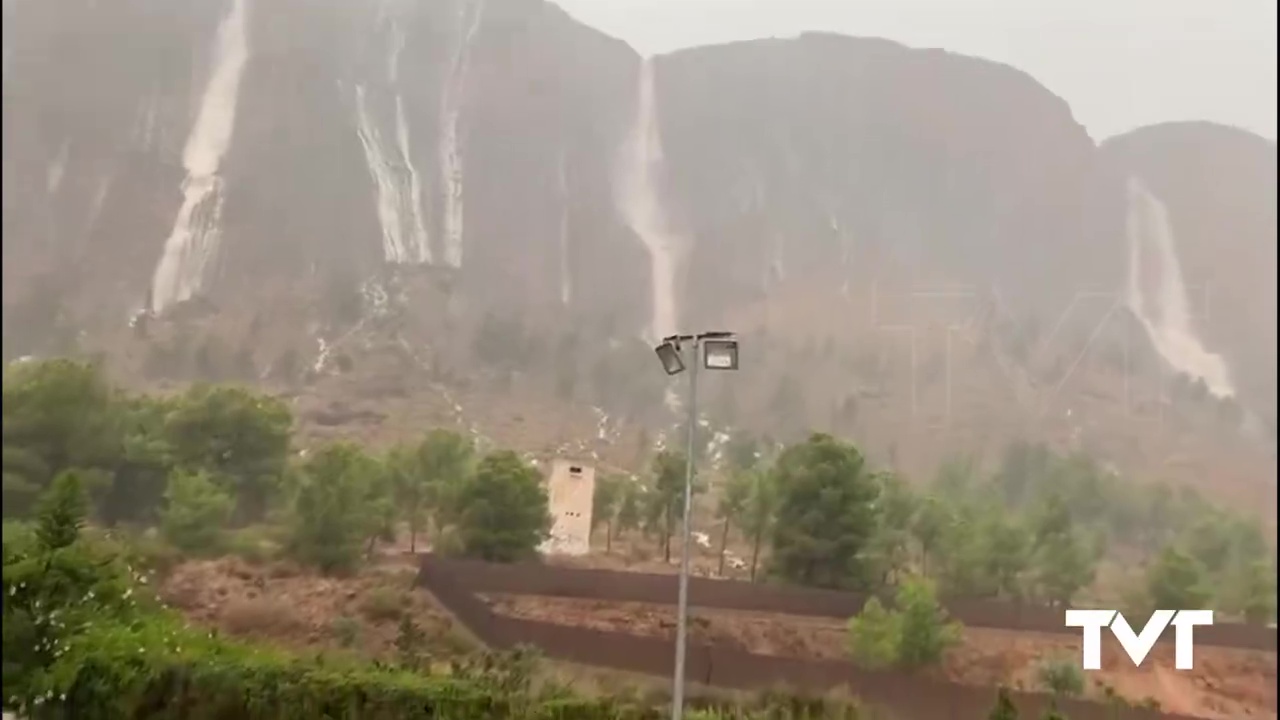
x=194 y=239
x=145 y=124
x=566 y=279
x=1157 y=293
x=638 y=199
x=404 y=234
x=57 y=169
x=470 y=15
x=396 y=183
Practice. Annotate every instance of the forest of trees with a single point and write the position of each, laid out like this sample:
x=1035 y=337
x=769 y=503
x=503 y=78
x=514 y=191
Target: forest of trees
x=1035 y=530
x=200 y=464
x=214 y=470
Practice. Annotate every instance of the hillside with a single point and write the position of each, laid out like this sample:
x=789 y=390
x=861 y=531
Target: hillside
x=403 y=214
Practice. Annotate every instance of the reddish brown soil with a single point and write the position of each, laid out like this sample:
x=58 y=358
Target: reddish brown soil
x=1226 y=684
x=305 y=612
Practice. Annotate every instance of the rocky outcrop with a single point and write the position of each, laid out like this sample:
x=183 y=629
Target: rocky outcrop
x=491 y=146
x=470 y=136
x=833 y=157
x=1219 y=185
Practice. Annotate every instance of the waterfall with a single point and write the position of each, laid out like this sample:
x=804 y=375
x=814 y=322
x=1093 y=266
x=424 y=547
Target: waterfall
x=566 y=279
x=193 y=242
x=1157 y=294
x=396 y=183
x=470 y=14
x=639 y=200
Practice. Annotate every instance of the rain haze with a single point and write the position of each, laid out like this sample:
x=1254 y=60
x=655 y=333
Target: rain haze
x=1120 y=64
x=339 y=320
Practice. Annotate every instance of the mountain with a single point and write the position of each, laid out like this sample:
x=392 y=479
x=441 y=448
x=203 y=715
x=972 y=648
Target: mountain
x=921 y=249
x=1219 y=184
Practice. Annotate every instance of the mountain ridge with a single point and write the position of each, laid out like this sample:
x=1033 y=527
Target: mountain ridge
x=814 y=192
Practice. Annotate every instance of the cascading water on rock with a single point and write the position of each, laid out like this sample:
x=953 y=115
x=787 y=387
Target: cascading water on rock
x=193 y=242
x=1157 y=294
x=470 y=15
x=397 y=184
x=639 y=201
x=566 y=279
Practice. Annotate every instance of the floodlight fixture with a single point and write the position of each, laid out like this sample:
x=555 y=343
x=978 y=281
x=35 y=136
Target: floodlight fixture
x=720 y=354
x=669 y=355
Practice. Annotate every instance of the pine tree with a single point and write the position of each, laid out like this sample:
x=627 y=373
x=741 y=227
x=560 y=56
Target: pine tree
x=62 y=512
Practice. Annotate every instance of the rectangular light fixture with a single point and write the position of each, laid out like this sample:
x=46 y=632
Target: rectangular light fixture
x=669 y=355
x=720 y=354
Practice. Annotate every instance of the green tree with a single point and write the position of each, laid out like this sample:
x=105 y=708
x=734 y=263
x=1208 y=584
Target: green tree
x=890 y=549
x=826 y=514
x=196 y=512
x=956 y=480
x=446 y=461
x=931 y=522
x=665 y=502
x=1176 y=581
x=55 y=585
x=331 y=519
x=57 y=415
x=628 y=516
x=605 y=505
x=380 y=499
x=873 y=636
x=410 y=490
x=741 y=453
x=61 y=512
x=733 y=502
x=503 y=512
x=1004 y=554
x=136 y=492
x=1063 y=565
x=926 y=633
x=241 y=438
x=1249 y=590
x=759 y=513
x=960 y=560
x=915 y=634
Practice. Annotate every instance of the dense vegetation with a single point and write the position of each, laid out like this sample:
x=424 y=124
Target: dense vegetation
x=1036 y=530
x=214 y=470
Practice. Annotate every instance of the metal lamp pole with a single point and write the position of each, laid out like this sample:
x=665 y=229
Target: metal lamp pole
x=682 y=606
x=721 y=353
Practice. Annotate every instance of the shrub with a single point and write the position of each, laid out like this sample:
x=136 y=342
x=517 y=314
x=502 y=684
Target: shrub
x=384 y=604
x=914 y=634
x=873 y=636
x=147 y=671
x=346 y=630
x=196 y=511
x=1061 y=676
x=261 y=616
x=253 y=545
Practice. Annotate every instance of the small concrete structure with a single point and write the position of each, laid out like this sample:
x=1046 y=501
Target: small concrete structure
x=570 y=491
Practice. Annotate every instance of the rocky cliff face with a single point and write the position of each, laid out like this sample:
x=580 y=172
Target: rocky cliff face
x=262 y=143
x=228 y=154
x=1219 y=186
x=838 y=157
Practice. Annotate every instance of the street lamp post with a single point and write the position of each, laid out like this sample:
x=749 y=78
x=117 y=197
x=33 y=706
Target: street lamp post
x=716 y=351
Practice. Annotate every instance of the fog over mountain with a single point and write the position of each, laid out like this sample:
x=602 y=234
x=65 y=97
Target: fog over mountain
x=244 y=158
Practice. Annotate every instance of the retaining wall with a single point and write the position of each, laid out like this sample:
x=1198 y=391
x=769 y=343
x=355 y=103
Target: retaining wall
x=608 y=585
x=456 y=585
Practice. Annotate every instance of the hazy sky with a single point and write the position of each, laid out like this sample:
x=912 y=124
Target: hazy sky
x=1119 y=63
